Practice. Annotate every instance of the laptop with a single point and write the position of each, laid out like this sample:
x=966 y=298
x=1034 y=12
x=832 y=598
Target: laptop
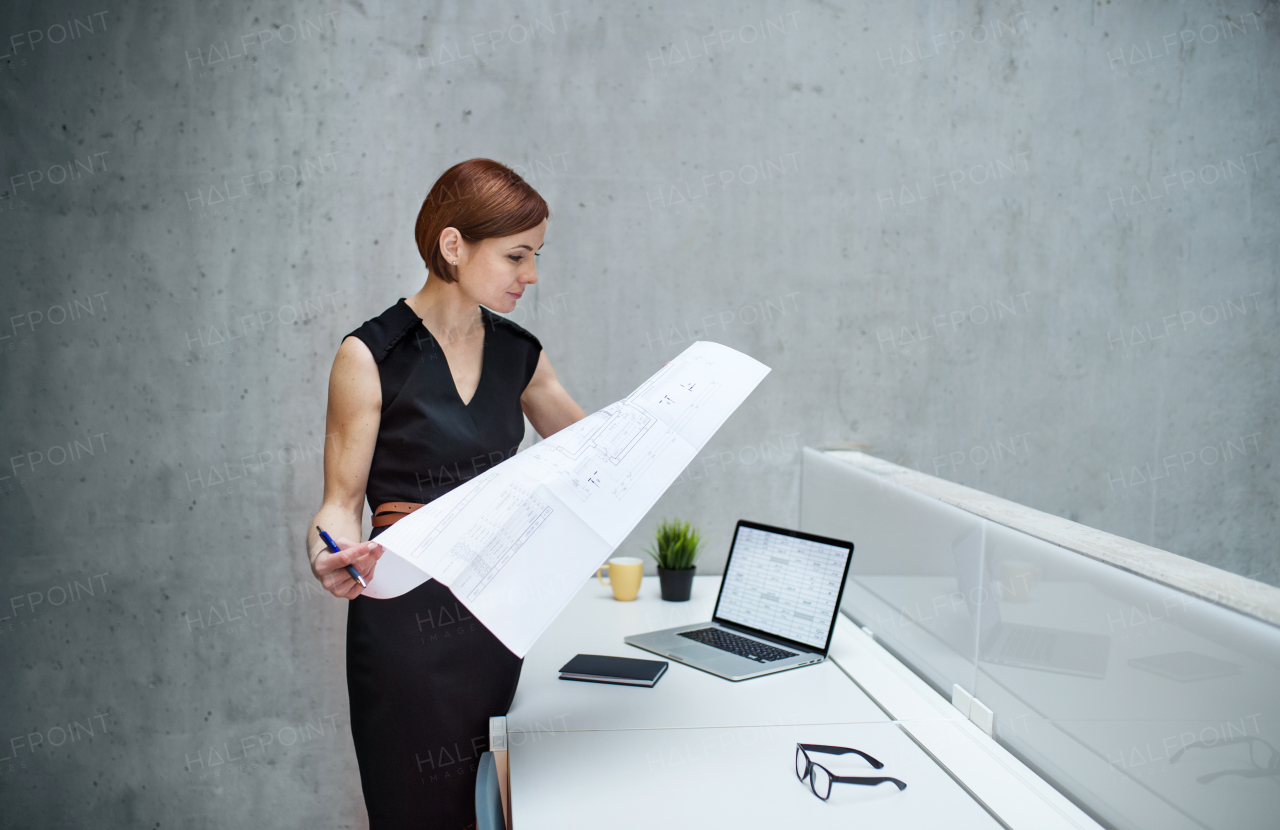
x=776 y=609
x=1025 y=646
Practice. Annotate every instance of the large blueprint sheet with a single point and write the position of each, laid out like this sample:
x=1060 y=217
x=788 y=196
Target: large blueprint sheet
x=516 y=542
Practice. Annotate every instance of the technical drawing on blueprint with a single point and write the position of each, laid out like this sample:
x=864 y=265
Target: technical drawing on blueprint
x=491 y=542
x=678 y=393
x=608 y=452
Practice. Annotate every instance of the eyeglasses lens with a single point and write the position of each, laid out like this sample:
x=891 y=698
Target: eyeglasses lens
x=802 y=763
x=1262 y=755
x=820 y=781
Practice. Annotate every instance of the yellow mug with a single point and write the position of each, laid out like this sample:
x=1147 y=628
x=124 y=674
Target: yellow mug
x=624 y=576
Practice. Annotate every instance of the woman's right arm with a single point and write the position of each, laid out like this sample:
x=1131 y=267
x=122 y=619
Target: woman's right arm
x=351 y=431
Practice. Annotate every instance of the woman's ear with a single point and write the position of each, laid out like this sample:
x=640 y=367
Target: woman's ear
x=449 y=239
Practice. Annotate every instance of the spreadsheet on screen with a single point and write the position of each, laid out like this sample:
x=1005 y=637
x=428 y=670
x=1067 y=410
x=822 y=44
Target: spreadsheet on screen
x=783 y=585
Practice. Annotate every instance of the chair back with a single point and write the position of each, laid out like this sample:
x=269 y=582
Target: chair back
x=488 y=797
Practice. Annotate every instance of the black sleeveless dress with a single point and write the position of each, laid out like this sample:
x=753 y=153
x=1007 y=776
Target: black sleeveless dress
x=423 y=675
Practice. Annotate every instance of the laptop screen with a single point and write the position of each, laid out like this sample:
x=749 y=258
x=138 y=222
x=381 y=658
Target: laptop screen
x=784 y=583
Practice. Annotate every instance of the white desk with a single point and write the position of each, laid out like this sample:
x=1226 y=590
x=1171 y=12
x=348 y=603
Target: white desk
x=596 y=623
x=696 y=749
x=721 y=778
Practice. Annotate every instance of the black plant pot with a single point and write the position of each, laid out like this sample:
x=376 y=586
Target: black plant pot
x=676 y=585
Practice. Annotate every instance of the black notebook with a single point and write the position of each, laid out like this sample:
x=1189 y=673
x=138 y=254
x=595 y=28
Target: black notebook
x=627 y=671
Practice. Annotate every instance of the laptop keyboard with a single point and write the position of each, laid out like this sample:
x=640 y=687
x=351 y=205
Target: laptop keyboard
x=741 y=646
x=1028 y=645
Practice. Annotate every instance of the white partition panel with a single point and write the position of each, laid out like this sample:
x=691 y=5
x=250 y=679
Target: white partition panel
x=904 y=582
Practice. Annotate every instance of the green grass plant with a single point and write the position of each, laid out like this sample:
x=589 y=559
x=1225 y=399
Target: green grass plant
x=678 y=545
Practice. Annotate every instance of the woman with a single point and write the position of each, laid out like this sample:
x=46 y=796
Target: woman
x=422 y=398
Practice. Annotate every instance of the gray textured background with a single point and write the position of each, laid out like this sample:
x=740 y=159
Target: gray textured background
x=1027 y=247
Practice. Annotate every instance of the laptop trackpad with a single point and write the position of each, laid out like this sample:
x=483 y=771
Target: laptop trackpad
x=711 y=659
x=691 y=653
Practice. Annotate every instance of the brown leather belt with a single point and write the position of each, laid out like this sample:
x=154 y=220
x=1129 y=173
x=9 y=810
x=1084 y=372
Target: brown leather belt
x=392 y=512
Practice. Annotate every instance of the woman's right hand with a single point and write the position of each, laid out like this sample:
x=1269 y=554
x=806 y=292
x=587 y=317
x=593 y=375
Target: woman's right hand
x=331 y=568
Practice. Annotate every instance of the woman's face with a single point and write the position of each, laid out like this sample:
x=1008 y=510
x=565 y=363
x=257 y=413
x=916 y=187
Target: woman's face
x=495 y=272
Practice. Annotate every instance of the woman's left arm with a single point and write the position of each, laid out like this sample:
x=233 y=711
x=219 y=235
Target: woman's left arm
x=545 y=403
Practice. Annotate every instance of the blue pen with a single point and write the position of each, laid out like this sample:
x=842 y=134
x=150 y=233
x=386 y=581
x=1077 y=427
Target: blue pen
x=333 y=548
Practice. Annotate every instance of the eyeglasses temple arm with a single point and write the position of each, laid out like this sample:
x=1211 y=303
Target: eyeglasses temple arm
x=1243 y=773
x=841 y=779
x=842 y=750
x=1247 y=739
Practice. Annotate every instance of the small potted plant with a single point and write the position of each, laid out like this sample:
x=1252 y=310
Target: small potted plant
x=678 y=545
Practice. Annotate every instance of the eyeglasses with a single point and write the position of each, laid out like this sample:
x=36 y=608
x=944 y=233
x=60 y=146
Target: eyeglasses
x=1262 y=755
x=821 y=779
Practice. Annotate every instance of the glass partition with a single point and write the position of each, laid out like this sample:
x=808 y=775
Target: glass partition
x=1147 y=706
x=1152 y=707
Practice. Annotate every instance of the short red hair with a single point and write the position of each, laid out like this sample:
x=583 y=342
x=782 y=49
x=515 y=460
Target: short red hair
x=483 y=199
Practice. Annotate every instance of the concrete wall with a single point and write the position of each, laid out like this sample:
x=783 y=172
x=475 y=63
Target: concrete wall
x=1030 y=248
